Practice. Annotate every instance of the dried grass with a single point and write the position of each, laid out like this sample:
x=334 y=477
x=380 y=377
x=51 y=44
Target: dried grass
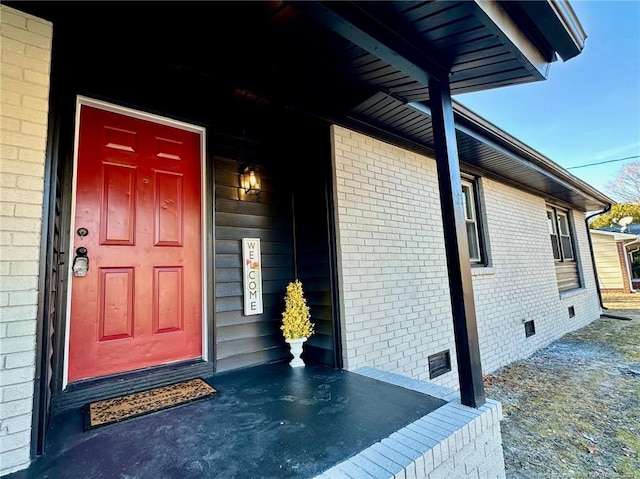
x=573 y=408
x=621 y=300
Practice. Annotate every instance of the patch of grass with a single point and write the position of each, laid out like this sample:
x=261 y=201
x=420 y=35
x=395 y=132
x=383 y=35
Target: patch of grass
x=623 y=337
x=631 y=449
x=573 y=409
x=627 y=301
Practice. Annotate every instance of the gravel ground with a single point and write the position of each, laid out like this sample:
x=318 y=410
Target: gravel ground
x=572 y=410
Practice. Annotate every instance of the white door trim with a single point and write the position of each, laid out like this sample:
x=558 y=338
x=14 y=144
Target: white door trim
x=85 y=101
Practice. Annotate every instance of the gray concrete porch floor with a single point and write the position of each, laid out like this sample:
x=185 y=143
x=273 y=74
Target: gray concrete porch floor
x=270 y=421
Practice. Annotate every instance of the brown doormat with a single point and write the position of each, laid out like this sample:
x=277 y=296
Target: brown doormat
x=109 y=411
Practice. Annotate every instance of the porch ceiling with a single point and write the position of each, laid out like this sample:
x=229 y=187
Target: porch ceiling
x=323 y=54
x=353 y=63
x=476 y=45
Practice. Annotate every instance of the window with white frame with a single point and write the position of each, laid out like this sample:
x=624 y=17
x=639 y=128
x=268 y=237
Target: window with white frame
x=472 y=220
x=553 y=232
x=560 y=233
x=565 y=237
x=563 y=247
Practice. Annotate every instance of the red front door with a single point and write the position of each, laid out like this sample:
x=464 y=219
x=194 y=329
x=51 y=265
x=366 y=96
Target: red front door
x=138 y=198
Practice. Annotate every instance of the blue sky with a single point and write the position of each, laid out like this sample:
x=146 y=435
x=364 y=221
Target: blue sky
x=588 y=110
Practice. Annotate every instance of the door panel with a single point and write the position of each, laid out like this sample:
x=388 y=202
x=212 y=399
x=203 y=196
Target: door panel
x=167 y=300
x=168 y=210
x=118 y=205
x=115 y=317
x=138 y=194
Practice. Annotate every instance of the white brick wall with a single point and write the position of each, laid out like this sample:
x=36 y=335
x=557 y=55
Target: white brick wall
x=25 y=44
x=522 y=281
x=392 y=264
x=396 y=307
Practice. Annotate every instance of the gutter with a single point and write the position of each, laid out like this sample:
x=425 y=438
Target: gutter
x=570 y=22
x=593 y=257
x=558 y=24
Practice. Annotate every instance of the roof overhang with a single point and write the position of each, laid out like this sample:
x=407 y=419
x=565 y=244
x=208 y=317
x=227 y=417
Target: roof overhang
x=510 y=156
x=360 y=64
x=394 y=46
x=477 y=44
x=481 y=146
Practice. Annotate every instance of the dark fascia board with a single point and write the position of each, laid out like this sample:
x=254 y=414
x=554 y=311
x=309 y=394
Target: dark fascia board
x=487 y=132
x=558 y=24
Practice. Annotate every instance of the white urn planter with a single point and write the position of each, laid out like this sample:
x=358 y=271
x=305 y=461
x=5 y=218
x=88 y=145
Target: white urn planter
x=295 y=345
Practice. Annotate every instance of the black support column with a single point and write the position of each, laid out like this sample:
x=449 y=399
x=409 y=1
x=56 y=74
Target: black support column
x=456 y=246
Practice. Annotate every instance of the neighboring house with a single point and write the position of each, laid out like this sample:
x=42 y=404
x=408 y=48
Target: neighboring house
x=614 y=253
x=126 y=131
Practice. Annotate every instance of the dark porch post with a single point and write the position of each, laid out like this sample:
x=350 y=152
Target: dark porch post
x=456 y=246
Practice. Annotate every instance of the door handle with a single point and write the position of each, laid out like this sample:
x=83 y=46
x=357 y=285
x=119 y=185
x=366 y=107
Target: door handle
x=80 y=264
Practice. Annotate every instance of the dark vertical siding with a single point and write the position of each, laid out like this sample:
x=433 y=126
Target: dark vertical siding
x=53 y=313
x=48 y=300
x=290 y=216
x=313 y=264
x=50 y=345
x=249 y=340
x=313 y=252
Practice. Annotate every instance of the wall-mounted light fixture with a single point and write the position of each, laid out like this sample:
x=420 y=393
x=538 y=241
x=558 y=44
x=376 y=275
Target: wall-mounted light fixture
x=250 y=179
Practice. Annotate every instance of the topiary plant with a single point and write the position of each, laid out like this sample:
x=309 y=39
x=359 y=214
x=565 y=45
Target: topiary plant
x=296 y=316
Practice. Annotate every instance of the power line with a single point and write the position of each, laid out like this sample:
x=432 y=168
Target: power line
x=602 y=162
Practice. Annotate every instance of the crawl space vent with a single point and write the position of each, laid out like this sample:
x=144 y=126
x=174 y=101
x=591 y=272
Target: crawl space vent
x=439 y=364
x=529 y=328
x=572 y=311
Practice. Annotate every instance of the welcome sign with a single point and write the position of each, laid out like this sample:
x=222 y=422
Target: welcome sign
x=252 y=276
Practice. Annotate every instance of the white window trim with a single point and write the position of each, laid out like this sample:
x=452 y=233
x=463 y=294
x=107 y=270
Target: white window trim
x=471 y=183
x=557 y=213
x=565 y=215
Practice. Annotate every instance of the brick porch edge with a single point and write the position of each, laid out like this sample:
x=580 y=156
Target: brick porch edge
x=454 y=441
